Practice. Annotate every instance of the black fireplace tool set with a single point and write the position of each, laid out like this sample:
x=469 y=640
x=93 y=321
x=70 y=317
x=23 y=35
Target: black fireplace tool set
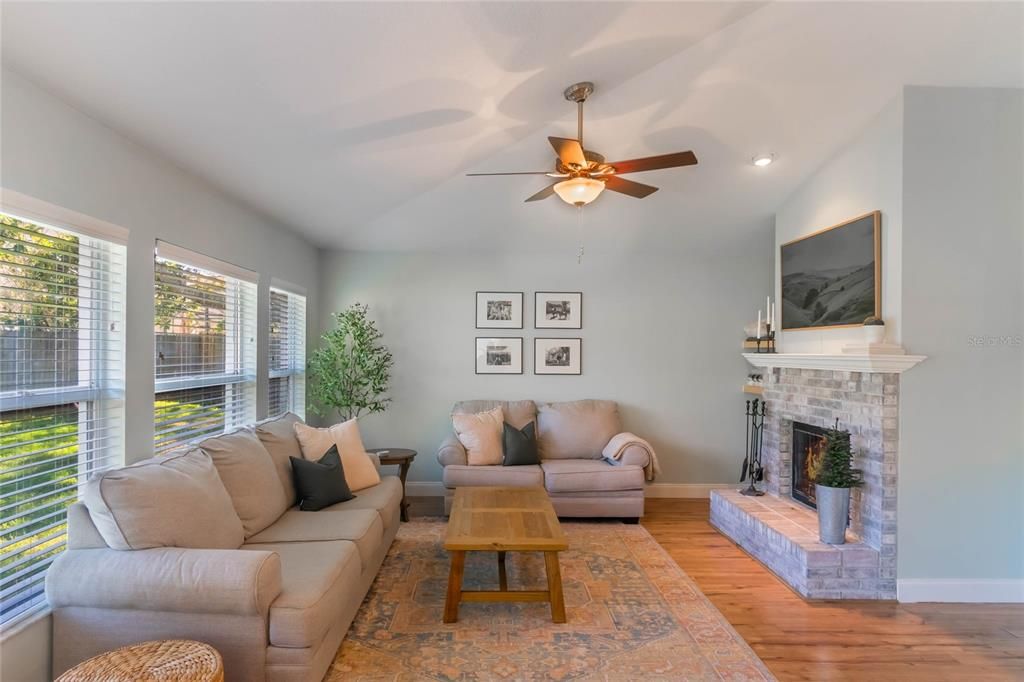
x=752 y=466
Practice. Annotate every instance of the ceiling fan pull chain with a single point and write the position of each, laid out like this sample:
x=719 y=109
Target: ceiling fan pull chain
x=579 y=222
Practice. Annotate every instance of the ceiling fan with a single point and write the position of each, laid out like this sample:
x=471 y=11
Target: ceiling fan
x=583 y=174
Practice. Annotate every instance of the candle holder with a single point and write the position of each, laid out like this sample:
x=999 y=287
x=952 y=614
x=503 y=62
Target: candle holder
x=768 y=340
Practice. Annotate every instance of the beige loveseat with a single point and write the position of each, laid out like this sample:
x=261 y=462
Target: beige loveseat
x=276 y=606
x=578 y=469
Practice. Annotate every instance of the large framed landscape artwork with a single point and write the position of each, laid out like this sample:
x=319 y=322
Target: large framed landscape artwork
x=833 y=278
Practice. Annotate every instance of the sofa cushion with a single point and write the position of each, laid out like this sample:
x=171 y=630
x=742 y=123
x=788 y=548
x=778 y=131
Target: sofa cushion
x=278 y=436
x=456 y=475
x=588 y=475
x=248 y=472
x=360 y=471
x=317 y=578
x=576 y=430
x=176 y=500
x=480 y=434
x=383 y=498
x=518 y=413
x=363 y=527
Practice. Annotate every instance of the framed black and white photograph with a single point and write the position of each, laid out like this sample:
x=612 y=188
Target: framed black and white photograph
x=499 y=310
x=558 y=310
x=833 y=277
x=499 y=355
x=558 y=356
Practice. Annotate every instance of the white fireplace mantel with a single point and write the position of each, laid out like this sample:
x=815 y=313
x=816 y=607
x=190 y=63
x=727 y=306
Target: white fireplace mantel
x=841 y=362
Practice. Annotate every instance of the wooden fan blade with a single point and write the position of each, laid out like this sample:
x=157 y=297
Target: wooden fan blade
x=472 y=175
x=544 y=193
x=633 y=189
x=569 y=151
x=655 y=162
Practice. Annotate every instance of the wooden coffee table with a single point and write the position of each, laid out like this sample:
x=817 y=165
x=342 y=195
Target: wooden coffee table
x=492 y=519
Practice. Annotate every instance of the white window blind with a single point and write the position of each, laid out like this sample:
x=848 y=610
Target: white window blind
x=287 y=352
x=205 y=354
x=61 y=391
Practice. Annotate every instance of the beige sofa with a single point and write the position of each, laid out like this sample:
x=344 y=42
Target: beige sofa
x=577 y=468
x=276 y=607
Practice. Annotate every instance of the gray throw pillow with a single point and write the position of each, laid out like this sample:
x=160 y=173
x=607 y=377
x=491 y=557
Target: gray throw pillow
x=520 y=445
x=321 y=483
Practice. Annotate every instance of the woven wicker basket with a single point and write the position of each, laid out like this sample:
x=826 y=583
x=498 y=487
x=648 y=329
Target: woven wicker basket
x=179 y=660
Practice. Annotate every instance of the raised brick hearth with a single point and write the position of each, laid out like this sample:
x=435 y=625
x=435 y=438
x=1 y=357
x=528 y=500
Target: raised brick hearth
x=781 y=532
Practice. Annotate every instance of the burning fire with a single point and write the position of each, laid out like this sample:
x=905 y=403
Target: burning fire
x=812 y=460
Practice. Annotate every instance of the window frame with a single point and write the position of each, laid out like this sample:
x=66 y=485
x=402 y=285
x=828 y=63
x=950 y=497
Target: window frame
x=98 y=396
x=240 y=381
x=295 y=373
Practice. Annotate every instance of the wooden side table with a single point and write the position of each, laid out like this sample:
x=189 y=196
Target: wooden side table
x=402 y=457
x=172 y=659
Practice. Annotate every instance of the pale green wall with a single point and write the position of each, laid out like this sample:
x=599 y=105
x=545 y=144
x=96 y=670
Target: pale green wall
x=661 y=335
x=866 y=175
x=53 y=152
x=961 y=463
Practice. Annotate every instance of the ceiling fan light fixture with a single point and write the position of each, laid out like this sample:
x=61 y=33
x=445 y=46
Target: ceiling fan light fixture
x=579 y=191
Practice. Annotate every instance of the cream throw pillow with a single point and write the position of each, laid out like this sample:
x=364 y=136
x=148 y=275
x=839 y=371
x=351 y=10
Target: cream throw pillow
x=359 y=469
x=480 y=434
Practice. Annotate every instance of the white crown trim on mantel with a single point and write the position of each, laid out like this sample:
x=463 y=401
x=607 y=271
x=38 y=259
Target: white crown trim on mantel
x=840 y=362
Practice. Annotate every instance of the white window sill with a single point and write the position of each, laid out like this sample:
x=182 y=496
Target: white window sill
x=23 y=622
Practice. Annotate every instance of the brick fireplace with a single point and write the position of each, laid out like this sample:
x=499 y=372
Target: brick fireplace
x=780 y=529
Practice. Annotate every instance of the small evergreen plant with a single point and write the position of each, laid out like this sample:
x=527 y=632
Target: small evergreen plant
x=350 y=370
x=836 y=469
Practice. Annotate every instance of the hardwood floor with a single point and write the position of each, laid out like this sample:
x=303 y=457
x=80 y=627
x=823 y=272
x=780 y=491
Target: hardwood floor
x=800 y=640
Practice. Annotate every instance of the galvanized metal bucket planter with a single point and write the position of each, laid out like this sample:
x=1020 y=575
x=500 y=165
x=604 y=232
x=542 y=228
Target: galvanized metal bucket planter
x=833 y=513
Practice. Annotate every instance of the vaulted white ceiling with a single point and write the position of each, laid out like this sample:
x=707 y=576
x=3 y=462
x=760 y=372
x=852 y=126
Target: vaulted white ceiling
x=354 y=123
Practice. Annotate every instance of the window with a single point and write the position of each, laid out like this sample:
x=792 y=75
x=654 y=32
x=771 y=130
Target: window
x=287 y=352
x=61 y=391
x=205 y=353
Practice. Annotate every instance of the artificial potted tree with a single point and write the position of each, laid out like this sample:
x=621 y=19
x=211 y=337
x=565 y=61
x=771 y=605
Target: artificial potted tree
x=350 y=370
x=836 y=476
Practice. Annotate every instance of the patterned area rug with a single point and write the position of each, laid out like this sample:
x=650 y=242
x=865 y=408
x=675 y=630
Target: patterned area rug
x=632 y=615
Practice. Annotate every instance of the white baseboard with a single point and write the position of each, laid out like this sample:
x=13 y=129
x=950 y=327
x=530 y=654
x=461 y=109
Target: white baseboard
x=684 y=490
x=424 y=489
x=678 y=490
x=962 y=591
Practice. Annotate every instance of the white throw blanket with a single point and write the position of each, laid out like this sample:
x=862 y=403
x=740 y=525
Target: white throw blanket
x=617 y=447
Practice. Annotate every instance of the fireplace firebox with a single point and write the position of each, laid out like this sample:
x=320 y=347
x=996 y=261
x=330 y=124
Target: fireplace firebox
x=808 y=449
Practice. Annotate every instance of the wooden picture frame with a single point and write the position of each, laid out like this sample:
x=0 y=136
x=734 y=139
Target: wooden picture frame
x=499 y=355
x=832 y=278
x=499 y=309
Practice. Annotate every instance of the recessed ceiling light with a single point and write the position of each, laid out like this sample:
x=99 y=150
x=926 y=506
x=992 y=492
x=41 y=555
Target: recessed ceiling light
x=762 y=160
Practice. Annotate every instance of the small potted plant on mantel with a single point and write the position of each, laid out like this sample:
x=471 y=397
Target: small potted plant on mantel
x=836 y=476
x=874 y=330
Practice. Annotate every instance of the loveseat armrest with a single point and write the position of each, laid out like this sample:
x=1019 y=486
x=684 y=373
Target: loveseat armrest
x=221 y=581
x=451 y=451
x=627 y=448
